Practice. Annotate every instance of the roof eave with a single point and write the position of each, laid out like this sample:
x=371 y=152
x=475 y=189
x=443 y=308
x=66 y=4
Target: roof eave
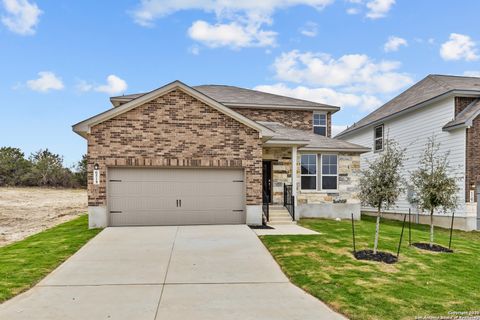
x=410 y=109
x=354 y=150
x=332 y=109
x=285 y=143
x=84 y=126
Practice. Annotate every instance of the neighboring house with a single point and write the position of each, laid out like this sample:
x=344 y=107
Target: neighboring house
x=446 y=107
x=215 y=155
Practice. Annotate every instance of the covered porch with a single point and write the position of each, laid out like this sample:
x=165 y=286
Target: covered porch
x=307 y=175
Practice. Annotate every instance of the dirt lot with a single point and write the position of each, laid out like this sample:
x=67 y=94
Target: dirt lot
x=25 y=211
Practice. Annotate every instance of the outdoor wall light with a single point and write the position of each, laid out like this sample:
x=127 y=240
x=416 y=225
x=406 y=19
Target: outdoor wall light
x=96 y=166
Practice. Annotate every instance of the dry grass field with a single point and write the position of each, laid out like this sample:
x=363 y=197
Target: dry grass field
x=25 y=211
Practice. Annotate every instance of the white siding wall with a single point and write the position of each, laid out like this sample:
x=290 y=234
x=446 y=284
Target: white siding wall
x=412 y=131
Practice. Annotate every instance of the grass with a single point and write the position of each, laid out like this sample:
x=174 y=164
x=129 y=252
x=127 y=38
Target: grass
x=422 y=283
x=26 y=262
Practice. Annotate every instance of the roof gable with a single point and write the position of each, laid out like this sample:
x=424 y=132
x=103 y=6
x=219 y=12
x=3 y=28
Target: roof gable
x=232 y=96
x=82 y=128
x=424 y=91
x=466 y=117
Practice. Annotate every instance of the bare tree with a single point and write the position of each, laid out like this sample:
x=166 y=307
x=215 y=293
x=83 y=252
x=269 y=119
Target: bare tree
x=433 y=188
x=381 y=183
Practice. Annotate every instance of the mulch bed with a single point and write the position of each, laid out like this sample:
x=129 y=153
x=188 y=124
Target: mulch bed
x=435 y=247
x=380 y=256
x=261 y=227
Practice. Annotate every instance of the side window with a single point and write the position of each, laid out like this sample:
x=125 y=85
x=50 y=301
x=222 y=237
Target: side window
x=378 y=138
x=320 y=124
x=308 y=173
x=329 y=172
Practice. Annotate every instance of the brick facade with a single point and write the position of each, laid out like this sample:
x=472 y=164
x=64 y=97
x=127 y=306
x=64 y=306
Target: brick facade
x=175 y=130
x=472 y=156
x=298 y=119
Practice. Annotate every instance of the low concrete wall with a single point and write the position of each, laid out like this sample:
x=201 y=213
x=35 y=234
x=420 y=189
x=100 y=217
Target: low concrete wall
x=254 y=215
x=97 y=217
x=444 y=221
x=329 y=210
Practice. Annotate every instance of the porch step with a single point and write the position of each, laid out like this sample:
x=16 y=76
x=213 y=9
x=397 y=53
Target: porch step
x=279 y=215
x=270 y=223
x=277 y=207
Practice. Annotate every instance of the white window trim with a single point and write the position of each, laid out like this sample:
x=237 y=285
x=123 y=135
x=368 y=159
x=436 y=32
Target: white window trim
x=319 y=125
x=319 y=174
x=375 y=138
x=309 y=175
x=328 y=175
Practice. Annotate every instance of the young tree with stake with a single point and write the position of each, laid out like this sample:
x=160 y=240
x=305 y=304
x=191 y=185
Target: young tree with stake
x=433 y=188
x=381 y=183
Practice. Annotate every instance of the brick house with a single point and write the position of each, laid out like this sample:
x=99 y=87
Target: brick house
x=216 y=155
x=446 y=107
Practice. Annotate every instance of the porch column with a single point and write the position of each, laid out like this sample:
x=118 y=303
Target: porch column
x=294 y=173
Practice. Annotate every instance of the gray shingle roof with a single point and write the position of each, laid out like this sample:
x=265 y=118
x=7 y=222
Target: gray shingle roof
x=466 y=116
x=230 y=95
x=430 y=87
x=312 y=140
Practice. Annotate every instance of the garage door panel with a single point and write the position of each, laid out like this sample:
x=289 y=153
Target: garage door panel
x=137 y=188
x=146 y=196
x=228 y=202
x=130 y=203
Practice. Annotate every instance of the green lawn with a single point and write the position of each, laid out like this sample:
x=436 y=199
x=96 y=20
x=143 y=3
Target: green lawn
x=421 y=283
x=24 y=263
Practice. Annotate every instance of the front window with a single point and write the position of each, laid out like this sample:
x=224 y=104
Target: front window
x=320 y=124
x=378 y=138
x=308 y=172
x=329 y=172
x=327 y=176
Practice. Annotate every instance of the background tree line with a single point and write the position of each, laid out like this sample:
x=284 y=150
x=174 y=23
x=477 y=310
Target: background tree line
x=42 y=168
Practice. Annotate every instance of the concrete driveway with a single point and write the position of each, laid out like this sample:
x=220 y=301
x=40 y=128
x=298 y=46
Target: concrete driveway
x=191 y=272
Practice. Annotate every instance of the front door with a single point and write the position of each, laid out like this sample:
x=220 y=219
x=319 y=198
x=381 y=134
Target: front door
x=267 y=179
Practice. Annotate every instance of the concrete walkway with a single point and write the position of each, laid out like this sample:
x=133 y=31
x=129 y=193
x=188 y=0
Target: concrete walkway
x=191 y=272
x=284 y=230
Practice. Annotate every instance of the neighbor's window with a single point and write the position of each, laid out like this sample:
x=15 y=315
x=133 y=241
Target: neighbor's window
x=329 y=172
x=308 y=173
x=378 y=138
x=320 y=124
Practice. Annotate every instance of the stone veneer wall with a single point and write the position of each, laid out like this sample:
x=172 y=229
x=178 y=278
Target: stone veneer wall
x=348 y=179
x=175 y=130
x=472 y=156
x=281 y=170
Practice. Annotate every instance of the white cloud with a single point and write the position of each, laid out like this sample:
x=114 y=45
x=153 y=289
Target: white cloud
x=379 y=8
x=149 y=10
x=84 y=86
x=195 y=50
x=310 y=29
x=324 y=95
x=336 y=129
x=352 y=72
x=459 y=47
x=45 y=82
x=394 y=43
x=353 y=11
x=239 y=23
x=232 y=35
x=472 y=73
x=115 y=85
x=22 y=16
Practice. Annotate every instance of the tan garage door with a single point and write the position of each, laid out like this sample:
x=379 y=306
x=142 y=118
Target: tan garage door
x=144 y=196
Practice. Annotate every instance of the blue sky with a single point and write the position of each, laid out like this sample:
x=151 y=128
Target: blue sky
x=61 y=60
